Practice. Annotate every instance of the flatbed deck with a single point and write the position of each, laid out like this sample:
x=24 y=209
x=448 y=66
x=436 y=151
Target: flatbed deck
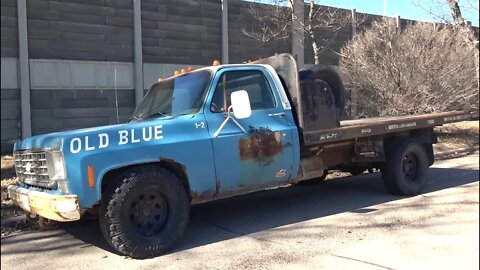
x=352 y=129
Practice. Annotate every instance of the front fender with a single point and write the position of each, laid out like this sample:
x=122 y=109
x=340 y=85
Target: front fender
x=184 y=144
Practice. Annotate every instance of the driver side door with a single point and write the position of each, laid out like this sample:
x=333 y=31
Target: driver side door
x=262 y=155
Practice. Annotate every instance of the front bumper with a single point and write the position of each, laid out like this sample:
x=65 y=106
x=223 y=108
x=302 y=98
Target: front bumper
x=56 y=207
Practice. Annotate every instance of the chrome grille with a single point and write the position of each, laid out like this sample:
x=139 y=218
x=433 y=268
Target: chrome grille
x=31 y=167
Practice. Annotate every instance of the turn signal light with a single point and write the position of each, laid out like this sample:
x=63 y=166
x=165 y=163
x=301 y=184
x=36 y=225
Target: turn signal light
x=183 y=71
x=216 y=63
x=177 y=72
x=160 y=79
x=189 y=69
x=91 y=176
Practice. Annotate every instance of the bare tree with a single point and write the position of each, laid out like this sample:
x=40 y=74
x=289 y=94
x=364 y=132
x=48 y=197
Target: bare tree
x=269 y=21
x=419 y=70
x=450 y=12
x=442 y=10
x=320 y=27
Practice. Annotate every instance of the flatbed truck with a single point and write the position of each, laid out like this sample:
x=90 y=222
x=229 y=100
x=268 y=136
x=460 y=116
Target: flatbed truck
x=213 y=133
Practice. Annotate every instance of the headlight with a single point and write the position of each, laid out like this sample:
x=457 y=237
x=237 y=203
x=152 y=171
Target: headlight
x=56 y=169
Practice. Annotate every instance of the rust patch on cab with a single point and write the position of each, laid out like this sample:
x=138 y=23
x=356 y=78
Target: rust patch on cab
x=262 y=144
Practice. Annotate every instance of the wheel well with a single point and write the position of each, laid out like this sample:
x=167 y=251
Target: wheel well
x=178 y=169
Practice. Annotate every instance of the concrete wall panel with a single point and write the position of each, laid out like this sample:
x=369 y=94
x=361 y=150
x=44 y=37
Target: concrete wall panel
x=8 y=28
x=64 y=74
x=9 y=72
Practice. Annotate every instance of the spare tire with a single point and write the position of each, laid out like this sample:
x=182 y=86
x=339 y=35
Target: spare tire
x=330 y=76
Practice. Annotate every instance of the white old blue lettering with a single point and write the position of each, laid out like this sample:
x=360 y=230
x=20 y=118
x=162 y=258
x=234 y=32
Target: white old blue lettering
x=124 y=137
x=75 y=149
x=158 y=131
x=88 y=147
x=133 y=137
x=103 y=140
x=145 y=138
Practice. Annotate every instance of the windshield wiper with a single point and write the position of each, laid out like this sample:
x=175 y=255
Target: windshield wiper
x=133 y=117
x=157 y=114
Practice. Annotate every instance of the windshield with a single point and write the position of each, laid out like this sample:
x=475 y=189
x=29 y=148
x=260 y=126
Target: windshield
x=176 y=96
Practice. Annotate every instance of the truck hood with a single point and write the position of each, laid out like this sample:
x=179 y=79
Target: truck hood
x=89 y=139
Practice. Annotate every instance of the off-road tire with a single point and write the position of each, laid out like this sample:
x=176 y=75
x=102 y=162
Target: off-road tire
x=154 y=188
x=331 y=77
x=406 y=168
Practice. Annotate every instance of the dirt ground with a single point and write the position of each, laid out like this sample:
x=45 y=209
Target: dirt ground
x=450 y=136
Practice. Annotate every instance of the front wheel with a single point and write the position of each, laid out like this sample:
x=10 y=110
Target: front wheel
x=406 y=167
x=144 y=212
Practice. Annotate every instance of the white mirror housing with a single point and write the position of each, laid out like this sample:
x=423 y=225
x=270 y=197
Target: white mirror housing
x=241 y=104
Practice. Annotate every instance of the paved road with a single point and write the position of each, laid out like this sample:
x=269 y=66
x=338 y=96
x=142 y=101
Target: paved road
x=349 y=223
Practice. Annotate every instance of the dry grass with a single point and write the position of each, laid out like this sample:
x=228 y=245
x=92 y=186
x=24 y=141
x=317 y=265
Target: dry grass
x=457 y=135
x=8 y=169
x=8 y=178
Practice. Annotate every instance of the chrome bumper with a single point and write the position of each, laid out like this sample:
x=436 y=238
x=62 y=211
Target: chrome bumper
x=56 y=207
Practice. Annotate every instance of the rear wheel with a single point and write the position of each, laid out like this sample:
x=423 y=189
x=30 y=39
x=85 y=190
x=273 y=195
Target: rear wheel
x=406 y=167
x=144 y=212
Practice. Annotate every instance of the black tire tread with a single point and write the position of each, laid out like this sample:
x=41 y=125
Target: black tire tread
x=118 y=190
x=331 y=76
x=392 y=178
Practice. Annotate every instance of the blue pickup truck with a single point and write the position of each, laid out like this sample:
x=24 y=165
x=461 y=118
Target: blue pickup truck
x=212 y=133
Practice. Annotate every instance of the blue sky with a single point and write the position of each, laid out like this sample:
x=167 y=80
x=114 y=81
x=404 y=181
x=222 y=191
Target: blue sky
x=408 y=9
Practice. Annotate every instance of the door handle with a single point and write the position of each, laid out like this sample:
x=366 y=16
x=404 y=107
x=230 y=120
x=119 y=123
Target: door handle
x=281 y=114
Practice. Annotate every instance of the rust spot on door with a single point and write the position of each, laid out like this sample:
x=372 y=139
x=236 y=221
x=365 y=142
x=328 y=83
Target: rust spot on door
x=262 y=144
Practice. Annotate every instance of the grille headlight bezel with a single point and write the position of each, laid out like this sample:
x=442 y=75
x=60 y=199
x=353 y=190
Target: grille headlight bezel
x=56 y=166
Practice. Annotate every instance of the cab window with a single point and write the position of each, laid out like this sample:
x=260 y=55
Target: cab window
x=252 y=81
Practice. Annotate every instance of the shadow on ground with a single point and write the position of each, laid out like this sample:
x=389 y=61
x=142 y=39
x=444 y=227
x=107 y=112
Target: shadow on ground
x=230 y=218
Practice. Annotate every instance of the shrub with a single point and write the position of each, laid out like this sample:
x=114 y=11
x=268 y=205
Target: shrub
x=420 y=70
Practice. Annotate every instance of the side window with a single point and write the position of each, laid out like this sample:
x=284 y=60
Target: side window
x=252 y=81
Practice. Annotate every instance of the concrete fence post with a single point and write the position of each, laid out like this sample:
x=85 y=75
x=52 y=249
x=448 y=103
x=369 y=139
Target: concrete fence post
x=353 y=92
x=354 y=22
x=399 y=24
x=225 y=53
x=24 y=69
x=297 y=39
x=137 y=51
